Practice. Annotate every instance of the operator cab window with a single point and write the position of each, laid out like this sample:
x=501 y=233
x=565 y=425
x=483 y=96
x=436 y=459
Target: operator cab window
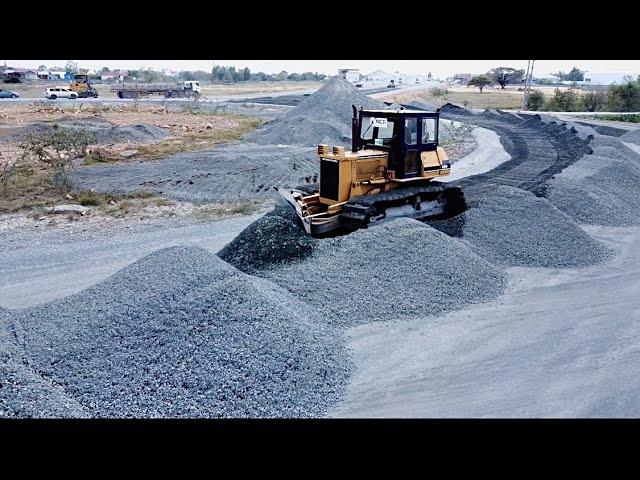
x=380 y=135
x=411 y=131
x=428 y=130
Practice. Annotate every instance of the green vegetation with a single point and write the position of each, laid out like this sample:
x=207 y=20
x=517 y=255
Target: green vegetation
x=230 y=74
x=575 y=75
x=535 y=100
x=617 y=98
x=620 y=118
x=480 y=81
x=505 y=75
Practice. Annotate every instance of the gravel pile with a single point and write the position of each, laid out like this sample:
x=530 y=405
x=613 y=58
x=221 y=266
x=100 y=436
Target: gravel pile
x=399 y=269
x=105 y=132
x=274 y=239
x=324 y=117
x=601 y=188
x=632 y=137
x=512 y=227
x=181 y=333
x=228 y=173
x=23 y=392
x=430 y=107
x=605 y=129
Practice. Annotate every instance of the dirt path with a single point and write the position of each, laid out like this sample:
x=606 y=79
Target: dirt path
x=557 y=343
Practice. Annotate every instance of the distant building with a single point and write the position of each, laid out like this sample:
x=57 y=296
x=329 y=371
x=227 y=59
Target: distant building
x=547 y=79
x=350 y=74
x=606 y=79
x=21 y=73
x=378 y=76
x=462 y=78
x=116 y=75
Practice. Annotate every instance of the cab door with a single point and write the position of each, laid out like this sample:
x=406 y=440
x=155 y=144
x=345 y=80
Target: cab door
x=410 y=152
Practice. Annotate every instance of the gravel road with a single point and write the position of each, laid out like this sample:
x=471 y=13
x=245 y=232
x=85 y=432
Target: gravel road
x=558 y=343
x=37 y=267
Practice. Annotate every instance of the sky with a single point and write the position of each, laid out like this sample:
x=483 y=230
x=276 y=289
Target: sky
x=439 y=68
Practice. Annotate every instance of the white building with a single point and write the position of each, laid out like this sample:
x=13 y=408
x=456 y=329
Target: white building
x=349 y=74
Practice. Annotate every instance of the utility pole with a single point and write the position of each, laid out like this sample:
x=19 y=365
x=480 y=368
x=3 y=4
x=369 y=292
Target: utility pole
x=527 y=82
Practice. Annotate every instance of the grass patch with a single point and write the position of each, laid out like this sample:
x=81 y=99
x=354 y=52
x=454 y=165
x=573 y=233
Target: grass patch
x=503 y=100
x=199 y=140
x=213 y=212
x=619 y=118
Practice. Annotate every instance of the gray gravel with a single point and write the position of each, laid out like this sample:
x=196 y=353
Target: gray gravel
x=229 y=173
x=274 y=239
x=23 y=392
x=104 y=131
x=602 y=188
x=180 y=333
x=632 y=137
x=513 y=227
x=399 y=269
x=324 y=117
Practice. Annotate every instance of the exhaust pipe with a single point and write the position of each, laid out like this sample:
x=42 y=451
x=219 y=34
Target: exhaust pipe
x=355 y=130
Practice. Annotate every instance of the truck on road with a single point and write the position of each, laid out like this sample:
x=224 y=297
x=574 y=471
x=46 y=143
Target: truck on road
x=189 y=88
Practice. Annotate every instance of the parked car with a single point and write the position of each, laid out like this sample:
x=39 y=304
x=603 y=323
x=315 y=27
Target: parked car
x=8 y=94
x=359 y=85
x=12 y=80
x=60 y=92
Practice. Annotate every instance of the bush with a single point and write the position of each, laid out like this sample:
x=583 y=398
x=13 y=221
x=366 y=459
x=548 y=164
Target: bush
x=439 y=92
x=623 y=98
x=566 y=101
x=593 y=101
x=535 y=101
x=57 y=147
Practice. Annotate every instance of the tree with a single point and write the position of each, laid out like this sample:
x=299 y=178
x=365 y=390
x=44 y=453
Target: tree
x=245 y=74
x=575 y=75
x=105 y=69
x=480 y=81
x=71 y=66
x=535 y=100
x=42 y=67
x=505 y=75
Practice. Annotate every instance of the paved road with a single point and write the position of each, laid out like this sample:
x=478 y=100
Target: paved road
x=558 y=343
x=38 y=267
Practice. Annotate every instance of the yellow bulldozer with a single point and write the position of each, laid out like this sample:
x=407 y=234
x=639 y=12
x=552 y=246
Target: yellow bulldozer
x=82 y=86
x=388 y=173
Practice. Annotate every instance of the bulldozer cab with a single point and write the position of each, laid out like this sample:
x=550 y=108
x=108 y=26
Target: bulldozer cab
x=404 y=134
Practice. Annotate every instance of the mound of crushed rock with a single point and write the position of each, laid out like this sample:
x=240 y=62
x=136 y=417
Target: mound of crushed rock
x=395 y=270
x=601 y=188
x=632 y=137
x=273 y=239
x=181 y=333
x=513 y=227
x=324 y=117
x=103 y=131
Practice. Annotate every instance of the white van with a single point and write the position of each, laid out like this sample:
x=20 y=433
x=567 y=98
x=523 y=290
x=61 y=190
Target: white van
x=60 y=92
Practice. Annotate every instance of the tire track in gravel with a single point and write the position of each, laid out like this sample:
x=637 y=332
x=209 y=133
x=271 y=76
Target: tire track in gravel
x=538 y=151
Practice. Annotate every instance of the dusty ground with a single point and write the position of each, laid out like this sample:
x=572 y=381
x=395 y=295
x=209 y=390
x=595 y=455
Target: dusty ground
x=30 y=189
